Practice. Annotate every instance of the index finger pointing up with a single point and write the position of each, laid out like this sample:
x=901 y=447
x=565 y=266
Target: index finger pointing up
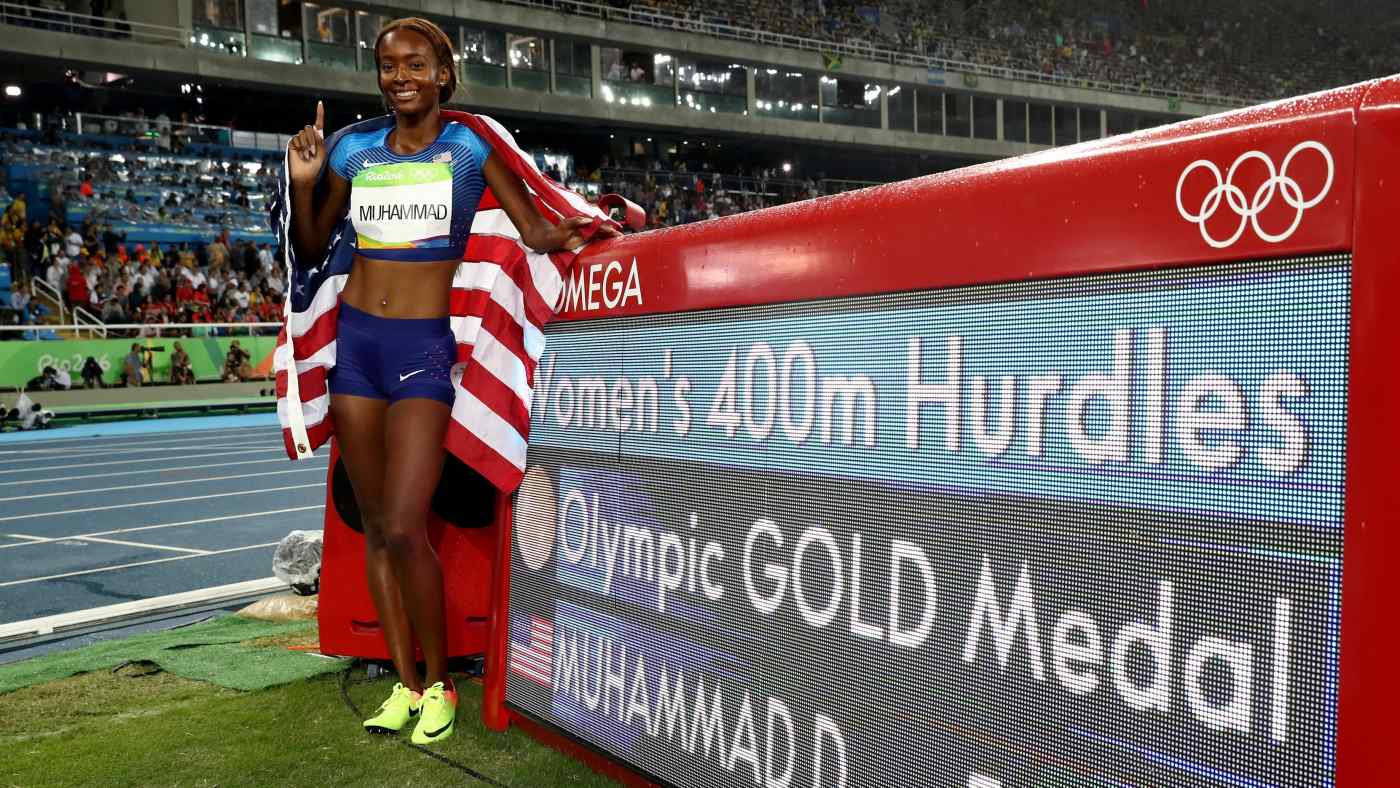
x=320 y=117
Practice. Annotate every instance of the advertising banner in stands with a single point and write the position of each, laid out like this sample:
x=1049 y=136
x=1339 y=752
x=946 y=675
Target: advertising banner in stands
x=1080 y=532
x=21 y=361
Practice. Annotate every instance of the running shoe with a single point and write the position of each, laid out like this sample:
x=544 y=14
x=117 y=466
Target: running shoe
x=403 y=704
x=439 y=713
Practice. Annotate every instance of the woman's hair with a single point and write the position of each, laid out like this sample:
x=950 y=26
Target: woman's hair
x=442 y=49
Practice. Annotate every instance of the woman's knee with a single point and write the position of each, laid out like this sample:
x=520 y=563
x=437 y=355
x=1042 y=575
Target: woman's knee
x=375 y=525
x=403 y=538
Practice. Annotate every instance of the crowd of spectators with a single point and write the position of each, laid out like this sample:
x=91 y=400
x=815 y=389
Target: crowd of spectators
x=98 y=17
x=97 y=269
x=1240 y=50
x=679 y=196
x=92 y=267
x=179 y=191
x=83 y=253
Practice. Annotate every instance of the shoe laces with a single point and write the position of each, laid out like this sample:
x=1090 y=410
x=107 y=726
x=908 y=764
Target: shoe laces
x=398 y=691
x=438 y=692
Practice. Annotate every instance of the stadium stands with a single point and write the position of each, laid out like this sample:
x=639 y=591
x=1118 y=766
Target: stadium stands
x=1244 y=51
x=139 y=234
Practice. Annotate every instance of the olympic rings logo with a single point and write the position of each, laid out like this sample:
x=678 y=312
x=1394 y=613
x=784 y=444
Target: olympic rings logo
x=1225 y=192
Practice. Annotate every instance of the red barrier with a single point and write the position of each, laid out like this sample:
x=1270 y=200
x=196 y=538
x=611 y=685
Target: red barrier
x=349 y=624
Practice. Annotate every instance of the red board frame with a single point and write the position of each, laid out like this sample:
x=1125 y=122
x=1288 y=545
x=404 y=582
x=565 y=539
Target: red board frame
x=1121 y=204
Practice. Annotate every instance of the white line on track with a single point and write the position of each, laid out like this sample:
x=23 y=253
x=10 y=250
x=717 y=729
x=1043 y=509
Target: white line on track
x=164 y=441
x=142 y=544
x=46 y=468
x=201 y=521
x=156 y=436
x=282 y=460
x=163 y=484
x=150 y=450
x=128 y=566
x=163 y=500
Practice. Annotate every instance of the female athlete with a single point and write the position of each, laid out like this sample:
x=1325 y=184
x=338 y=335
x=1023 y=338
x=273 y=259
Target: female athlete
x=391 y=391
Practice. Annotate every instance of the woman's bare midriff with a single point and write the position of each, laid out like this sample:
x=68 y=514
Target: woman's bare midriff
x=400 y=290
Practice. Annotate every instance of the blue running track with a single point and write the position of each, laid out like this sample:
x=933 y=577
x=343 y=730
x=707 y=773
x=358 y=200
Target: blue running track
x=120 y=512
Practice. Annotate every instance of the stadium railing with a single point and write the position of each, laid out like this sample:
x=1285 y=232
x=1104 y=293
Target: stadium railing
x=85 y=320
x=23 y=15
x=42 y=287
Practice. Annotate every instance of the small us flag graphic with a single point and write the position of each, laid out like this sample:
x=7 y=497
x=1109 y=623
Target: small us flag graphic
x=533 y=659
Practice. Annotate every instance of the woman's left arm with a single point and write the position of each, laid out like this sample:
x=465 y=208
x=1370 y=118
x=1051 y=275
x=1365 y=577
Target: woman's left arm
x=536 y=232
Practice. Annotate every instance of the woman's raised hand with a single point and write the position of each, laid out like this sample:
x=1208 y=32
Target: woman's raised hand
x=307 y=150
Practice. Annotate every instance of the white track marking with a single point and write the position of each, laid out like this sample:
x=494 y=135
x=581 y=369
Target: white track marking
x=156 y=437
x=141 y=544
x=163 y=443
x=136 y=563
x=162 y=484
x=46 y=468
x=200 y=521
x=169 y=439
x=148 y=470
x=163 y=500
x=151 y=450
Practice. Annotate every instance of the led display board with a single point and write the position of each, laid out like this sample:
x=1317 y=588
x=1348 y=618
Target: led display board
x=1076 y=531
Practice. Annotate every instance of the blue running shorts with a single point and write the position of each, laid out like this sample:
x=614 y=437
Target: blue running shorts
x=391 y=358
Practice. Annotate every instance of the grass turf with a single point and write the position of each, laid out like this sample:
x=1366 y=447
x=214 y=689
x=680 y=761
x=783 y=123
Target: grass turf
x=212 y=650
x=157 y=729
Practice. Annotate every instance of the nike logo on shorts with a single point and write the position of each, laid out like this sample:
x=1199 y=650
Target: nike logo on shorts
x=402 y=378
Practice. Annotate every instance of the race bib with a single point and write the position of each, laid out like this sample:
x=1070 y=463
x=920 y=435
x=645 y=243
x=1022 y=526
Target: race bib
x=402 y=206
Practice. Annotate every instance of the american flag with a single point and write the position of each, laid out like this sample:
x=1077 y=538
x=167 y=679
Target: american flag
x=502 y=294
x=533 y=660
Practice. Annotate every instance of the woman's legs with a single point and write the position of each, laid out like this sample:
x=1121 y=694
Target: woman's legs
x=359 y=427
x=413 y=457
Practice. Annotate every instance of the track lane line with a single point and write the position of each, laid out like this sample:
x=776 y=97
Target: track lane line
x=232 y=432
x=148 y=470
x=133 y=564
x=152 y=450
x=279 y=450
x=200 y=521
x=140 y=544
x=284 y=471
x=163 y=500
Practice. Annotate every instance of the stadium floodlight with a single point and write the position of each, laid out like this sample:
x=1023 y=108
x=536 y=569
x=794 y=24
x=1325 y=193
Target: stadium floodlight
x=13 y=91
x=787 y=166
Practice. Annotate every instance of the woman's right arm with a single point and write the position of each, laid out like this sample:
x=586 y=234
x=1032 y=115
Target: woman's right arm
x=315 y=208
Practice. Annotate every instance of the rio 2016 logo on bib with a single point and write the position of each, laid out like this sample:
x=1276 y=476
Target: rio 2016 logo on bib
x=402 y=206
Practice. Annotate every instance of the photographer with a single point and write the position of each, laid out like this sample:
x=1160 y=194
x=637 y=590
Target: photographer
x=181 y=372
x=92 y=374
x=236 y=367
x=133 y=367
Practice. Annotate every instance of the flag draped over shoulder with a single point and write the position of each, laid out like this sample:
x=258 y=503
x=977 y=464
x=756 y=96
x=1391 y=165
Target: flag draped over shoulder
x=502 y=294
